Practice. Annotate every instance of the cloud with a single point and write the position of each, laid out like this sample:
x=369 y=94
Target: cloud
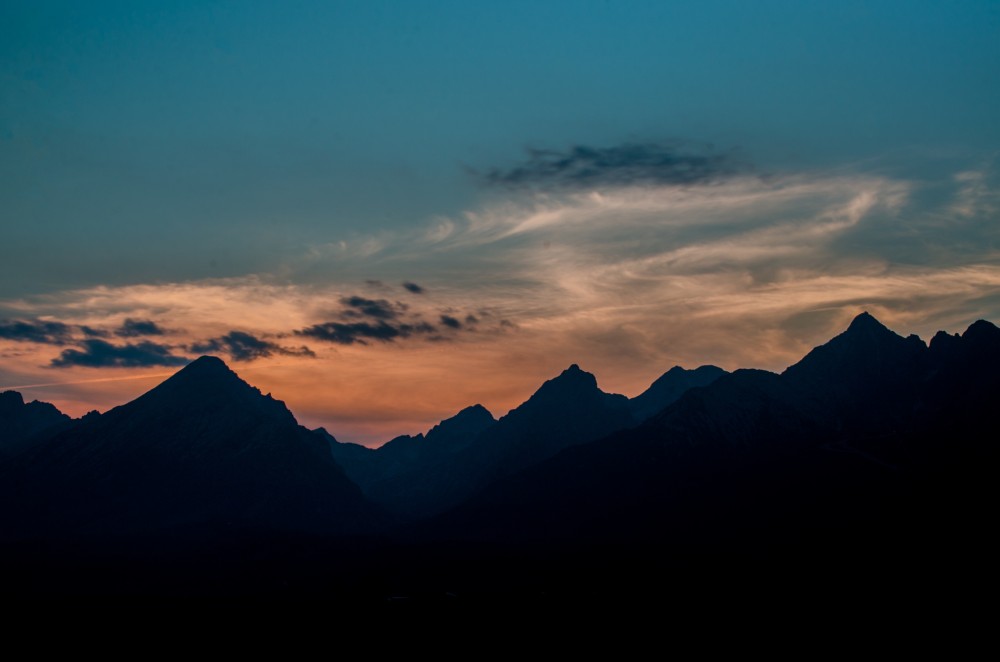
x=91 y=332
x=451 y=322
x=582 y=166
x=376 y=308
x=131 y=328
x=100 y=354
x=360 y=332
x=61 y=333
x=242 y=346
x=36 y=331
x=390 y=321
x=413 y=287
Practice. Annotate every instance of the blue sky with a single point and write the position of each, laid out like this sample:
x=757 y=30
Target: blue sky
x=315 y=148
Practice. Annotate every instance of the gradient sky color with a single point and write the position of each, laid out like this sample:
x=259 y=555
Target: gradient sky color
x=383 y=212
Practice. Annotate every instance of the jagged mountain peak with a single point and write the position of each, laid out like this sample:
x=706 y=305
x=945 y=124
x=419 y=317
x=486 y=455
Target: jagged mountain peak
x=476 y=410
x=466 y=423
x=864 y=333
x=572 y=376
x=867 y=368
x=21 y=421
x=865 y=329
x=572 y=393
x=206 y=367
x=571 y=384
x=206 y=371
x=981 y=330
x=669 y=386
x=865 y=320
x=944 y=341
x=10 y=399
x=207 y=384
x=680 y=371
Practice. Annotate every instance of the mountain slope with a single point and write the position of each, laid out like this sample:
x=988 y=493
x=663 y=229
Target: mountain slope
x=872 y=439
x=567 y=410
x=367 y=466
x=202 y=451
x=669 y=388
x=22 y=423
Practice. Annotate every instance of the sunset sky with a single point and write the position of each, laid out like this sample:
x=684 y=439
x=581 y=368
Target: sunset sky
x=383 y=212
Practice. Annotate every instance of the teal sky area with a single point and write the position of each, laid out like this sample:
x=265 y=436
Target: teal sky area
x=194 y=139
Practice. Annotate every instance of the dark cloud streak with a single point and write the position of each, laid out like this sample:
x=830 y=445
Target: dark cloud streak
x=375 y=308
x=364 y=321
x=60 y=333
x=360 y=332
x=630 y=163
x=102 y=354
x=49 y=333
x=131 y=328
x=91 y=332
x=242 y=346
x=413 y=287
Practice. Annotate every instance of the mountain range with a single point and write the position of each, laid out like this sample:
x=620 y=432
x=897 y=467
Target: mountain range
x=874 y=453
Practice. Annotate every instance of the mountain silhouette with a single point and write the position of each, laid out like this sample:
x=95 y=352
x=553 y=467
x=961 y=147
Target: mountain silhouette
x=871 y=459
x=203 y=451
x=867 y=374
x=668 y=388
x=566 y=410
x=368 y=467
x=22 y=424
x=420 y=475
x=872 y=439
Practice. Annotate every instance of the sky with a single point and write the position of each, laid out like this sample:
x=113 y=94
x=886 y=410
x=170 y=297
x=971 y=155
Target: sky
x=383 y=212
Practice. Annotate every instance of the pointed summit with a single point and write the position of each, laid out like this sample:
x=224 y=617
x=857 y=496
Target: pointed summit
x=21 y=422
x=465 y=424
x=865 y=329
x=476 y=410
x=574 y=372
x=10 y=401
x=570 y=399
x=982 y=331
x=202 y=447
x=206 y=369
x=572 y=378
x=849 y=366
x=208 y=384
x=865 y=320
x=669 y=387
x=865 y=338
x=566 y=410
x=206 y=364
